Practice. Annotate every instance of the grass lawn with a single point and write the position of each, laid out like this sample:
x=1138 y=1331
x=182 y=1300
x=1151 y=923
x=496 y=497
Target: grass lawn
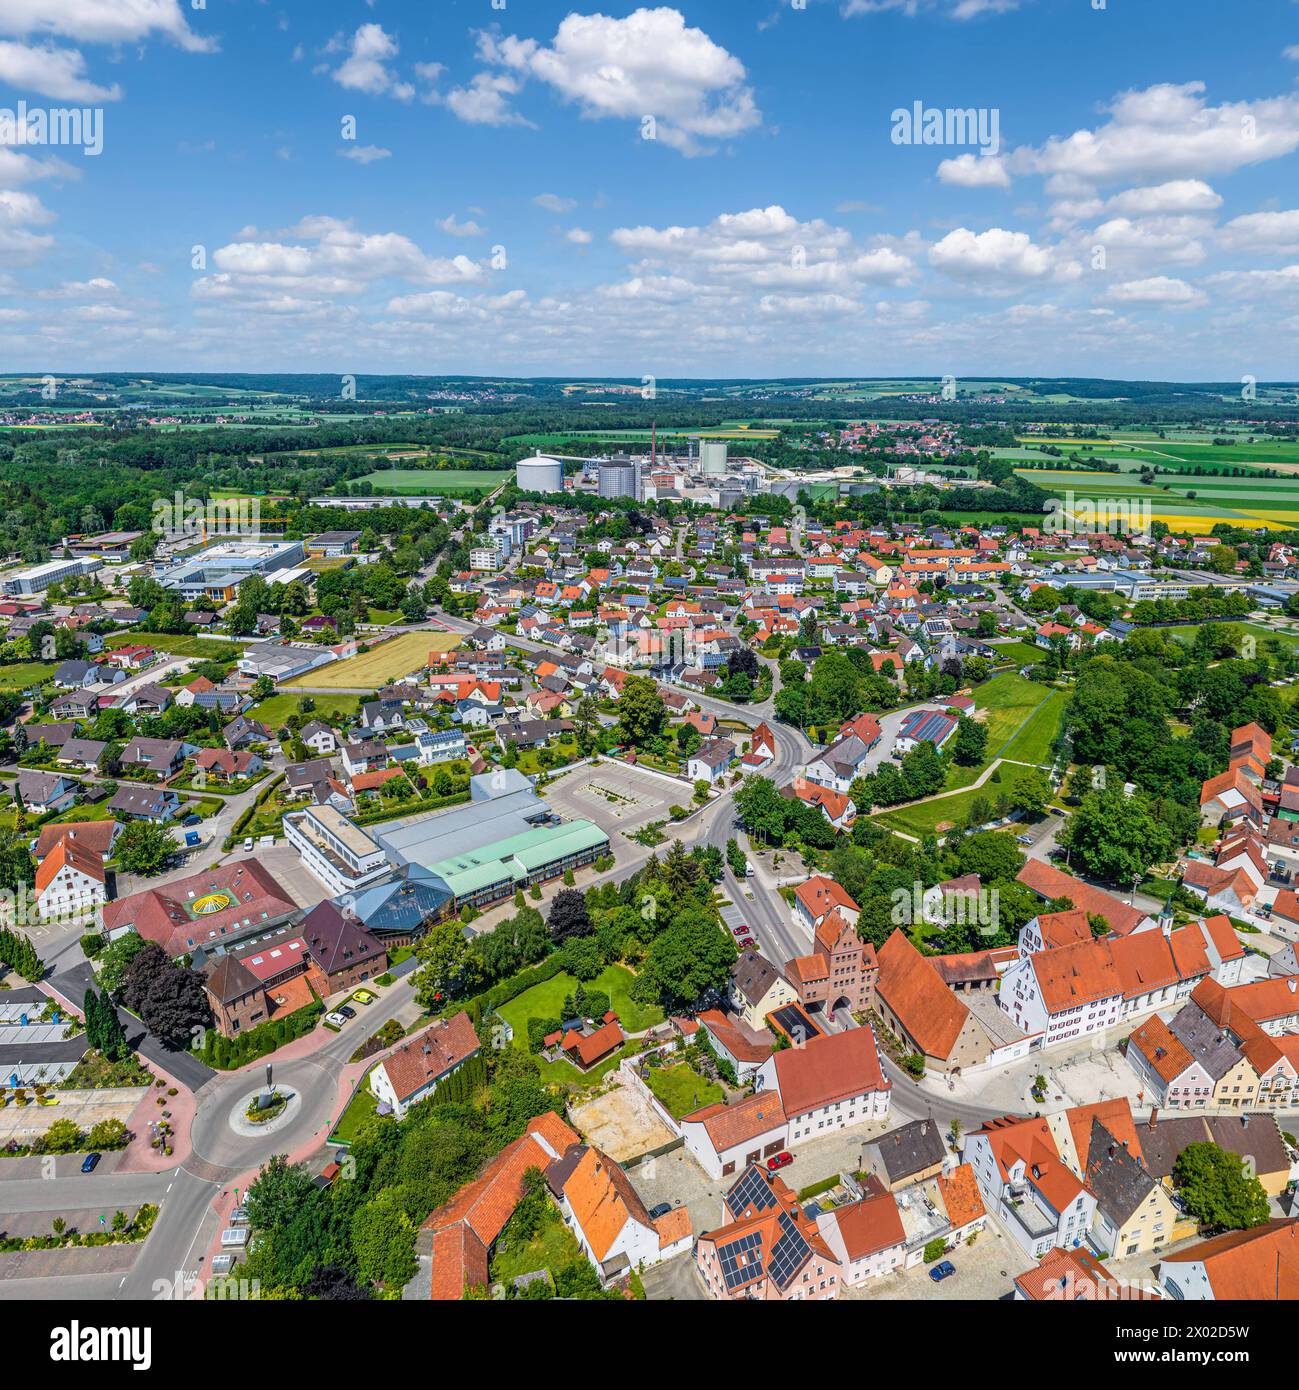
x=387 y=616
x=99 y=811
x=1035 y=740
x=359 y=1109
x=551 y=1248
x=1010 y=704
x=1021 y=653
x=546 y=1000
x=275 y=709
x=23 y=674
x=565 y=750
x=681 y=1089
x=1262 y=635
x=386 y=661
x=566 y=1074
x=177 y=644
x=429 y=481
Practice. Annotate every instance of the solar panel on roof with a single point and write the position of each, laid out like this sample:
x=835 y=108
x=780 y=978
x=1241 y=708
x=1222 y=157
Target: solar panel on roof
x=791 y=1251
x=751 y=1190
x=741 y=1260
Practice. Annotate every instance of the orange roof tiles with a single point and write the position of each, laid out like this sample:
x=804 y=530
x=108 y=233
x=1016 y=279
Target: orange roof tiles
x=1165 y=1054
x=72 y=855
x=829 y=1068
x=913 y=989
x=603 y=1201
x=729 y=1125
x=960 y=1193
x=1260 y=1265
x=820 y=895
x=1075 y=975
x=1049 y=882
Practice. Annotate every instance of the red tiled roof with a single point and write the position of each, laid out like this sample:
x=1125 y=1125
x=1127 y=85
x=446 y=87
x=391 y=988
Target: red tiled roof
x=913 y=989
x=1049 y=882
x=430 y=1054
x=830 y=1067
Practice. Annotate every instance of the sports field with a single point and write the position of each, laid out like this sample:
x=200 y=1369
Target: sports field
x=398 y=656
x=421 y=481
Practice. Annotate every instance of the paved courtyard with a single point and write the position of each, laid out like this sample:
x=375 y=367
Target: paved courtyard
x=985 y=1270
x=618 y=798
x=676 y=1177
x=281 y=861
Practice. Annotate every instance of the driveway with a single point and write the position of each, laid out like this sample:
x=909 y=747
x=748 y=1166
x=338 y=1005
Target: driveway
x=674 y=1279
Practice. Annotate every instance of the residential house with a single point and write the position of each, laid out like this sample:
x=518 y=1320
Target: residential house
x=412 y=1071
x=723 y=1138
x=46 y=793
x=834 y=1081
x=1027 y=1185
x=757 y=989
x=611 y=1224
x=769 y=1250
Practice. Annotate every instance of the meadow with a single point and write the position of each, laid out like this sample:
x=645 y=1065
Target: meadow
x=398 y=656
x=422 y=481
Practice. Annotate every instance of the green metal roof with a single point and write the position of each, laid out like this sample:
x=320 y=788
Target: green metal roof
x=514 y=858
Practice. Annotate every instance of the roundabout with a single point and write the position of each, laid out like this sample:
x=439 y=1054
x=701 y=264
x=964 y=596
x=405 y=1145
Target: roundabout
x=282 y=1112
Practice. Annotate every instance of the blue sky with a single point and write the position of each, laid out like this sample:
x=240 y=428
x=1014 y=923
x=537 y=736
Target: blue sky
x=464 y=186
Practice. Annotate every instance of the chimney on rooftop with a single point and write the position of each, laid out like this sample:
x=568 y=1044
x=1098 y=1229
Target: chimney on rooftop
x=1154 y=1116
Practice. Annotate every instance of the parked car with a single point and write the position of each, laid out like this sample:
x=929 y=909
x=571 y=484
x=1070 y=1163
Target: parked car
x=363 y=996
x=239 y=1216
x=661 y=1210
x=347 y=1011
x=248 y=844
x=90 y=1162
x=740 y=931
x=944 y=1269
x=191 y=820
x=780 y=1160
x=747 y=943
x=336 y=1019
x=1024 y=839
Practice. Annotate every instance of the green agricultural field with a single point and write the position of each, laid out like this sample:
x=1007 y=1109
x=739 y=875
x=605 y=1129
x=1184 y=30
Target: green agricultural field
x=1035 y=740
x=388 y=660
x=1011 y=705
x=275 y=709
x=420 y=481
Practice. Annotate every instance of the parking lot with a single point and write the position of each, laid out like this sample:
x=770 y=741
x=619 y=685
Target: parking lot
x=281 y=861
x=618 y=798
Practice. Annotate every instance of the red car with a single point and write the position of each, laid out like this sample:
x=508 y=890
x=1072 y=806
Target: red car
x=740 y=931
x=746 y=943
x=780 y=1160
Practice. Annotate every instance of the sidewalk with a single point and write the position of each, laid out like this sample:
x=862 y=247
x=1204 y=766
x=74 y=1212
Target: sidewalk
x=139 y=1156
